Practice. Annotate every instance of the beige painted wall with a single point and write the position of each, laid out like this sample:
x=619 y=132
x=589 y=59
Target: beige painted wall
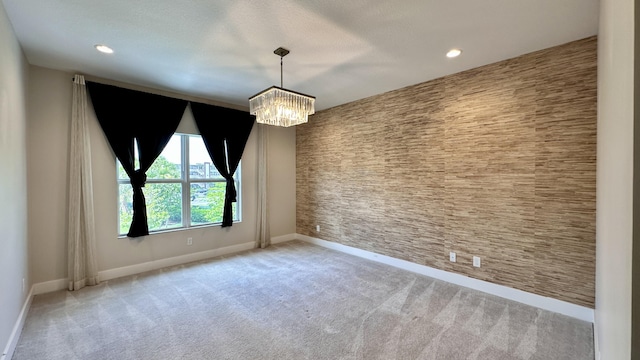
x=50 y=99
x=614 y=223
x=282 y=180
x=47 y=137
x=13 y=174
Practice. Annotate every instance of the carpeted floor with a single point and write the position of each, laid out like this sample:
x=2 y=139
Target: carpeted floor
x=292 y=301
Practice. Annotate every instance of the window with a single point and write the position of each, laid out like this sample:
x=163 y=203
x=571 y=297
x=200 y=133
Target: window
x=183 y=188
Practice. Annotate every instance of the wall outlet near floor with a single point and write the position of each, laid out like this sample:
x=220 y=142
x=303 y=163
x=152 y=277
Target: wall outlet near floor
x=317 y=228
x=189 y=241
x=24 y=285
x=452 y=256
x=476 y=261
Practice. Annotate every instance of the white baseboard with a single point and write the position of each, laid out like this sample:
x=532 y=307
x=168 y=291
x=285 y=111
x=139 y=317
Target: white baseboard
x=60 y=284
x=542 y=302
x=7 y=354
x=173 y=261
x=283 y=238
x=50 y=286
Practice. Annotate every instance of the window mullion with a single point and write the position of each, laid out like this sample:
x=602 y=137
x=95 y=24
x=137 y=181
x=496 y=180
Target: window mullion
x=207 y=180
x=186 y=177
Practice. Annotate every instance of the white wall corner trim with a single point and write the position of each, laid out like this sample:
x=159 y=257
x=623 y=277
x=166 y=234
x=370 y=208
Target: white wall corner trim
x=283 y=238
x=7 y=354
x=60 y=284
x=542 y=302
x=596 y=343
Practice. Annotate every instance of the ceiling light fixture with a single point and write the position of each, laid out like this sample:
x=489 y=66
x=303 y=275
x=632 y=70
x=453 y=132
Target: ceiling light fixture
x=104 y=49
x=279 y=106
x=454 y=53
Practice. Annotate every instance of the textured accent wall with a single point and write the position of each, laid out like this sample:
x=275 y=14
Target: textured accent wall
x=497 y=162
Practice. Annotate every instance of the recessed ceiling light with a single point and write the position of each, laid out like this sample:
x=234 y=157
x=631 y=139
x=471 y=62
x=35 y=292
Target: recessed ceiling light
x=454 y=53
x=104 y=49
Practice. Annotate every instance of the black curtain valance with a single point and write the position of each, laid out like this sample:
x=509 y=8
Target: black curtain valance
x=225 y=133
x=151 y=120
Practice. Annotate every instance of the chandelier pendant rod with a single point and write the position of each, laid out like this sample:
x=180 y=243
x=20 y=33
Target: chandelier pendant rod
x=282 y=52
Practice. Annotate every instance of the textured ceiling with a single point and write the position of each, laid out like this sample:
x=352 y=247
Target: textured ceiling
x=340 y=50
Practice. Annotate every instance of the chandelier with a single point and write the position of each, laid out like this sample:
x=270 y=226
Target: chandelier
x=279 y=106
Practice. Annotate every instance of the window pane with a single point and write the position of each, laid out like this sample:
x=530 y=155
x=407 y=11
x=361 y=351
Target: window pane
x=121 y=173
x=207 y=203
x=169 y=164
x=200 y=164
x=125 y=206
x=164 y=206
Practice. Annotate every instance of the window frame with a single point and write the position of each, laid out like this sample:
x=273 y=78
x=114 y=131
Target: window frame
x=185 y=181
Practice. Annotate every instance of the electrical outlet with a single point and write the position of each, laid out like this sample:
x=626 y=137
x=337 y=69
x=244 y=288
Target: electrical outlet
x=24 y=285
x=476 y=261
x=189 y=241
x=317 y=228
x=452 y=256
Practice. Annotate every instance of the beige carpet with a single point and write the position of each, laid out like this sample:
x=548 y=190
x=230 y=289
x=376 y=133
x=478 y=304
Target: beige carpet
x=292 y=301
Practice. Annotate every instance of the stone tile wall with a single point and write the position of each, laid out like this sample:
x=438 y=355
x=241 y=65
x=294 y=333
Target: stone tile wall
x=497 y=162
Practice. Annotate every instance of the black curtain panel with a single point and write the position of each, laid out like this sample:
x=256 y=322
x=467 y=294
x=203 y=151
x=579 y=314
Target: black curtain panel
x=225 y=133
x=151 y=120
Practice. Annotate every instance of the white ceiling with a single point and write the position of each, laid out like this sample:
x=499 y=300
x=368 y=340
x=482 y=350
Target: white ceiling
x=340 y=50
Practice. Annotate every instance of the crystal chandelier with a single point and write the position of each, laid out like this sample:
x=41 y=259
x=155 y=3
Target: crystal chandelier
x=279 y=106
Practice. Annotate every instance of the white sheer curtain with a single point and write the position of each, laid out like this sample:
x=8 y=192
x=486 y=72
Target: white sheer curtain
x=82 y=264
x=263 y=238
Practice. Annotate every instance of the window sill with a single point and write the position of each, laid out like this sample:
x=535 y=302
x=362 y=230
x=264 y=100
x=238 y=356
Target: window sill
x=166 y=231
